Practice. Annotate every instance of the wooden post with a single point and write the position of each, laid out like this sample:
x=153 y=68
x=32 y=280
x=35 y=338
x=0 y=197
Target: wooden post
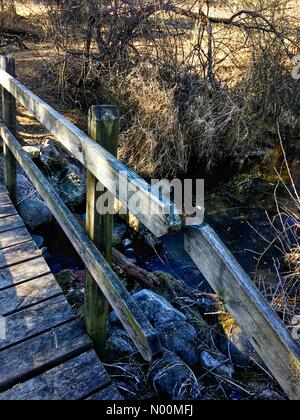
x=104 y=129
x=9 y=118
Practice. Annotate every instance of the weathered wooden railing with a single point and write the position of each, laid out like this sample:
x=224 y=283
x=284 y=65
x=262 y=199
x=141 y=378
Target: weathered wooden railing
x=265 y=330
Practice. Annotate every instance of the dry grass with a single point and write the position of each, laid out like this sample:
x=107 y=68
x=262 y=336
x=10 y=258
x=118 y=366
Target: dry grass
x=284 y=294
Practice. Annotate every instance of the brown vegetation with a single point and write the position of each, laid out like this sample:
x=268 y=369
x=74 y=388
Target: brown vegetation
x=198 y=80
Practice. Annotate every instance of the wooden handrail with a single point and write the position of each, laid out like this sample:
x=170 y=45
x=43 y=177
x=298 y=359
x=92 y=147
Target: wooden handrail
x=243 y=300
x=163 y=218
x=132 y=318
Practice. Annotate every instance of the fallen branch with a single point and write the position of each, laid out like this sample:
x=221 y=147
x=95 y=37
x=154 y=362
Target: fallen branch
x=132 y=270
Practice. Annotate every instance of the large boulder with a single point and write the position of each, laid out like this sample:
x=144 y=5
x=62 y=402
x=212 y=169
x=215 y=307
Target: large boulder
x=172 y=378
x=72 y=186
x=34 y=213
x=67 y=178
x=157 y=310
x=180 y=338
x=176 y=334
x=53 y=158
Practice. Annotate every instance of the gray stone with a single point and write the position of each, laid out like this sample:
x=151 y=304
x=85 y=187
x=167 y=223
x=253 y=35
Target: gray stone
x=181 y=338
x=53 y=158
x=34 y=213
x=217 y=363
x=172 y=378
x=72 y=186
x=157 y=309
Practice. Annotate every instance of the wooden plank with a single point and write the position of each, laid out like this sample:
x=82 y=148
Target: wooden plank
x=23 y=272
x=28 y=359
x=243 y=300
x=7 y=210
x=14 y=237
x=110 y=393
x=132 y=318
x=105 y=167
x=4 y=198
x=35 y=320
x=74 y=380
x=7 y=64
x=104 y=124
x=28 y=294
x=19 y=253
x=3 y=190
x=10 y=223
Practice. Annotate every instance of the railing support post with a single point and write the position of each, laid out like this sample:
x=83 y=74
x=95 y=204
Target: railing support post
x=104 y=129
x=9 y=118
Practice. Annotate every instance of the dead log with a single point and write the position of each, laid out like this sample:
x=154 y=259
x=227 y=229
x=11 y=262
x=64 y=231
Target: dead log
x=132 y=270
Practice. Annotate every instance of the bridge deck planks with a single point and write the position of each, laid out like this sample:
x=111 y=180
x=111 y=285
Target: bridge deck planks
x=45 y=354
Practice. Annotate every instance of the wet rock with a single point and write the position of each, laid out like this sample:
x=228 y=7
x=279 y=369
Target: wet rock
x=217 y=363
x=172 y=378
x=268 y=395
x=34 y=213
x=180 y=338
x=157 y=309
x=119 y=346
x=33 y=151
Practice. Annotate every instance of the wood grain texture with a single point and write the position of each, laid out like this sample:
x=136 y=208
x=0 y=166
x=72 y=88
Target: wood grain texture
x=132 y=318
x=28 y=359
x=4 y=198
x=73 y=380
x=243 y=300
x=10 y=223
x=28 y=294
x=14 y=237
x=103 y=127
x=7 y=210
x=35 y=320
x=19 y=253
x=23 y=272
x=105 y=167
x=7 y=65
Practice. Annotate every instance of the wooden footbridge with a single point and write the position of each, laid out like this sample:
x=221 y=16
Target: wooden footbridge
x=44 y=348
x=45 y=353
